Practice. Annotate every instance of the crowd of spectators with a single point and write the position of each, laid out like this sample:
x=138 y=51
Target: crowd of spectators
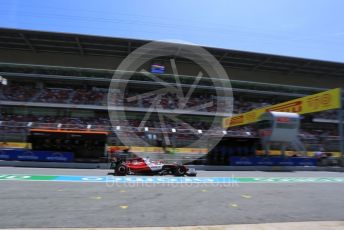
x=131 y=98
x=98 y=96
x=17 y=92
x=178 y=131
x=170 y=101
x=30 y=93
x=54 y=95
x=93 y=97
x=328 y=115
x=96 y=122
x=101 y=122
x=241 y=105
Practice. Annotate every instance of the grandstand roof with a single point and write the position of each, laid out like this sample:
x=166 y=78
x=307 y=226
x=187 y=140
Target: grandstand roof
x=40 y=41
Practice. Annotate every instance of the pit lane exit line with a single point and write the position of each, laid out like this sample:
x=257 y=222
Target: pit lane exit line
x=172 y=180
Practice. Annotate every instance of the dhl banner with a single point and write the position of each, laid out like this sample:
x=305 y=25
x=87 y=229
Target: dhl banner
x=327 y=100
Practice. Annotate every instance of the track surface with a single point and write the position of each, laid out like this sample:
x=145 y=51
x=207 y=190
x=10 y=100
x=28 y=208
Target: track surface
x=68 y=204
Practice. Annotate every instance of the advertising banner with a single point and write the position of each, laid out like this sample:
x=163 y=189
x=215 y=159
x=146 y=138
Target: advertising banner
x=15 y=145
x=273 y=161
x=29 y=155
x=327 y=100
x=138 y=149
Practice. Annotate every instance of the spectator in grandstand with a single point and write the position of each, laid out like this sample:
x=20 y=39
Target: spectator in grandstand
x=54 y=95
x=17 y=92
x=93 y=97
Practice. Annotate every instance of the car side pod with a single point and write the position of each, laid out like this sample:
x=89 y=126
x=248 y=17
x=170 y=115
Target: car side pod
x=191 y=172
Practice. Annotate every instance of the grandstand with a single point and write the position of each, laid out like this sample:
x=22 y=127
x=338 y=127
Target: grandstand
x=60 y=81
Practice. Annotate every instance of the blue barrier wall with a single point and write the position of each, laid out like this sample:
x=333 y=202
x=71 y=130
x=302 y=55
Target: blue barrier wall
x=273 y=161
x=30 y=155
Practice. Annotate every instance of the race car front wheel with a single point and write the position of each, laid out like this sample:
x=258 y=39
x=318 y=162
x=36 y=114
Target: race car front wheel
x=180 y=170
x=121 y=170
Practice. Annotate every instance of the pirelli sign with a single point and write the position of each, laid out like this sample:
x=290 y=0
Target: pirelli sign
x=327 y=100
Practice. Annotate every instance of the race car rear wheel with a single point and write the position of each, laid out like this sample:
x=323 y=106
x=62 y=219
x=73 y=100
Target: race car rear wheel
x=121 y=170
x=180 y=170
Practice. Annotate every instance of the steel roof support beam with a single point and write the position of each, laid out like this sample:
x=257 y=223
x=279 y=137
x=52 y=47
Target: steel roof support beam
x=129 y=47
x=223 y=56
x=261 y=63
x=79 y=46
x=27 y=42
x=299 y=67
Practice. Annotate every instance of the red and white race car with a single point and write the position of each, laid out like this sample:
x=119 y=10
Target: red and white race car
x=145 y=166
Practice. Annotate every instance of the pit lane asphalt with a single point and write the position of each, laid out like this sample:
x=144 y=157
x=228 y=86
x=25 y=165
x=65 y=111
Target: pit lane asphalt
x=66 y=204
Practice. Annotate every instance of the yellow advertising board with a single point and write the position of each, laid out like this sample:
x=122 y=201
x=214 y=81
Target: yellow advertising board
x=15 y=145
x=330 y=99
